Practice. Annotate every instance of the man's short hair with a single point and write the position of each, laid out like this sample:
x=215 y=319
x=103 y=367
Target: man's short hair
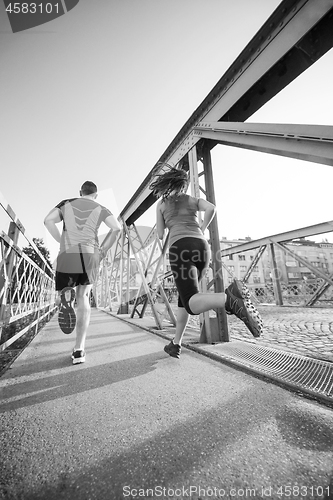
x=88 y=187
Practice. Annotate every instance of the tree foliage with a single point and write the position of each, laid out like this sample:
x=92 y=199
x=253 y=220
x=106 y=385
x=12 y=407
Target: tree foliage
x=30 y=252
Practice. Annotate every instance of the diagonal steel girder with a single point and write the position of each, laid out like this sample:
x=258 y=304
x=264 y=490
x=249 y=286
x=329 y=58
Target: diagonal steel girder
x=304 y=142
x=304 y=232
x=295 y=36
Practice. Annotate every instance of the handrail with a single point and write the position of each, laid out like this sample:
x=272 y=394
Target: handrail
x=11 y=214
x=27 y=291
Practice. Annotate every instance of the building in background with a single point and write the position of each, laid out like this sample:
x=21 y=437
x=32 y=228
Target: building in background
x=290 y=271
x=236 y=266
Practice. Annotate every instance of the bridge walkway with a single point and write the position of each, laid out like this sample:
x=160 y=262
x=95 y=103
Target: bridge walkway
x=132 y=421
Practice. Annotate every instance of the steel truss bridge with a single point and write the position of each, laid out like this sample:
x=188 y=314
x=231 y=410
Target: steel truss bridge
x=133 y=275
x=295 y=36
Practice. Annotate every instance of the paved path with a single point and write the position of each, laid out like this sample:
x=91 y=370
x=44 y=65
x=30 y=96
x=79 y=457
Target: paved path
x=132 y=422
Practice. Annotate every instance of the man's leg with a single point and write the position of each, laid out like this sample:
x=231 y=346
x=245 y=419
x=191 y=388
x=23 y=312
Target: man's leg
x=65 y=301
x=82 y=315
x=66 y=316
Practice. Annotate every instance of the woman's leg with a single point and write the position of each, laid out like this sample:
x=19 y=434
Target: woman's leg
x=238 y=304
x=202 y=302
x=188 y=267
x=182 y=319
x=236 y=299
x=189 y=260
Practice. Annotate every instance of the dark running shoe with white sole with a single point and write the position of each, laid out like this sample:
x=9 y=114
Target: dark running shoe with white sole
x=66 y=315
x=173 y=349
x=78 y=356
x=239 y=303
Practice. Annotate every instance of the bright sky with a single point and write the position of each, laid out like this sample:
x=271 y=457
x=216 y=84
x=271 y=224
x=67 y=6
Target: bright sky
x=99 y=93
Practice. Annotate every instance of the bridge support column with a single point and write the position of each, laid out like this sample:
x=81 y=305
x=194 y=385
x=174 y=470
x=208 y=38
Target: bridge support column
x=206 y=325
x=123 y=307
x=275 y=276
x=213 y=329
x=215 y=243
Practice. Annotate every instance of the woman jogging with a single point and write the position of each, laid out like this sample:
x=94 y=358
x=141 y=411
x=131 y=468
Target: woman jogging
x=189 y=256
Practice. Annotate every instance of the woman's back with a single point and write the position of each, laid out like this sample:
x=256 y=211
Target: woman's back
x=180 y=216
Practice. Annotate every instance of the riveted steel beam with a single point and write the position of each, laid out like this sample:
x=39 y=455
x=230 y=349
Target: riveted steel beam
x=296 y=35
x=304 y=142
x=324 y=227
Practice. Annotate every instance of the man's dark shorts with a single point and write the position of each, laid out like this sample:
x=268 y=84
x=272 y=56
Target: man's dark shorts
x=76 y=269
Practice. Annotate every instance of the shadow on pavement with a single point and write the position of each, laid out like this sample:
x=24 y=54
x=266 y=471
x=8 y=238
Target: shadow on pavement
x=209 y=450
x=74 y=382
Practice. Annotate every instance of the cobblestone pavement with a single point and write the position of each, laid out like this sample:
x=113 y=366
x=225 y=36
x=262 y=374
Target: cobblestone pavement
x=301 y=330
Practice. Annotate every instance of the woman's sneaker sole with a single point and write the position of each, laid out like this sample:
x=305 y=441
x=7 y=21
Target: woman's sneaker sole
x=256 y=318
x=239 y=304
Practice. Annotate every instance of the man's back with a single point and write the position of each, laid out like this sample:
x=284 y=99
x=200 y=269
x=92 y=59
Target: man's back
x=81 y=218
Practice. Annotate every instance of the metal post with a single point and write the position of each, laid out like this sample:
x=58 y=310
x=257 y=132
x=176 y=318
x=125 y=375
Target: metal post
x=114 y=272
x=128 y=271
x=143 y=278
x=275 y=277
x=155 y=279
x=215 y=244
x=205 y=323
x=41 y=293
x=13 y=233
x=104 y=279
x=123 y=307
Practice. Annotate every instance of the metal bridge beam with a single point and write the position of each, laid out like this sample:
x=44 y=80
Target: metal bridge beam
x=296 y=35
x=324 y=227
x=304 y=142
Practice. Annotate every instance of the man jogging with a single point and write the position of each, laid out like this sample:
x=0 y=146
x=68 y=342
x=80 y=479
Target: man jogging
x=79 y=258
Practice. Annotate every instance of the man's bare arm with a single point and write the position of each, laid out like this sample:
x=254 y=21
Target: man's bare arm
x=112 y=235
x=50 y=222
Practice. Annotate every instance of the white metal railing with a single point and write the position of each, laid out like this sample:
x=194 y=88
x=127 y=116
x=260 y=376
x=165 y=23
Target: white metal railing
x=27 y=291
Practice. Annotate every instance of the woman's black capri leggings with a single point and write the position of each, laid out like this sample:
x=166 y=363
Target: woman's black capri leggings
x=189 y=258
